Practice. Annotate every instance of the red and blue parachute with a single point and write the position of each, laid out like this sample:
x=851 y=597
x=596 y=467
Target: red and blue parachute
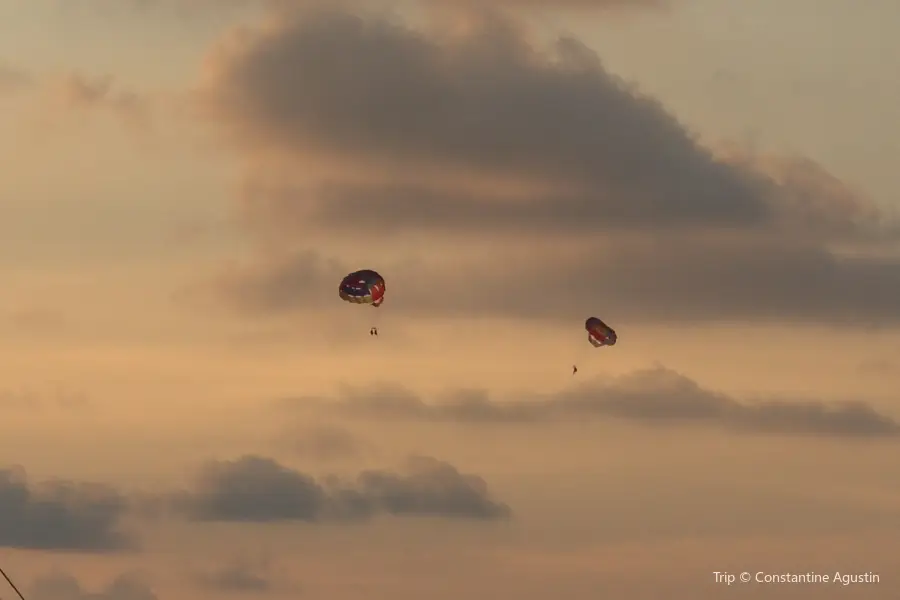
x=599 y=333
x=363 y=287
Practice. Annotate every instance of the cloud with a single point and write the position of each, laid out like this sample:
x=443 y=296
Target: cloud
x=62 y=586
x=486 y=100
x=67 y=97
x=656 y=396
x=686 y=279
x=38 y=320
x=483 y=101
x=879 y=366
x=84 y=93
x=571 y=176
x=13 y=79
x=247 y=575
x=597 y=4
x=57 y=398
x=259 y=489
x=193 y=8
x=59 y=515
x=241 y=575
x=276 y=286
x=325 y=443
x=782 y=195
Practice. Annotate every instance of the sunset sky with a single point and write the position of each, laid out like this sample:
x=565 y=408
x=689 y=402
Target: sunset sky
x=189 y=411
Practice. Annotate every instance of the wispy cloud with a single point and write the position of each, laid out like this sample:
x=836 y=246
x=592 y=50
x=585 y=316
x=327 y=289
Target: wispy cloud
x=657 y=396
x=12 y=78
x=63 y=586
x=241 y=575
x=57 y=398
x=87 y=93
x=195 y=8
x=324 y=443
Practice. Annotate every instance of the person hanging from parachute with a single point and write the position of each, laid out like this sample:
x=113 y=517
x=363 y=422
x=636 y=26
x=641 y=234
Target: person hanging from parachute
x=363 y=287
x=599 y=334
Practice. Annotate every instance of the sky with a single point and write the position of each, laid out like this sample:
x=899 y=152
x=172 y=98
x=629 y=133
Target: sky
x=191 y=412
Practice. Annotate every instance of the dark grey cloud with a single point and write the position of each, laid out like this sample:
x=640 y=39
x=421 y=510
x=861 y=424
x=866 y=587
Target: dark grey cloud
x=259 y=489
x=63 y=586
x=656 y=396
x=59 y=515
x=805 y=202
x=488 y=102
x=691 y=278
x=667 y=230
x=492 y=102
x=253 y=488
